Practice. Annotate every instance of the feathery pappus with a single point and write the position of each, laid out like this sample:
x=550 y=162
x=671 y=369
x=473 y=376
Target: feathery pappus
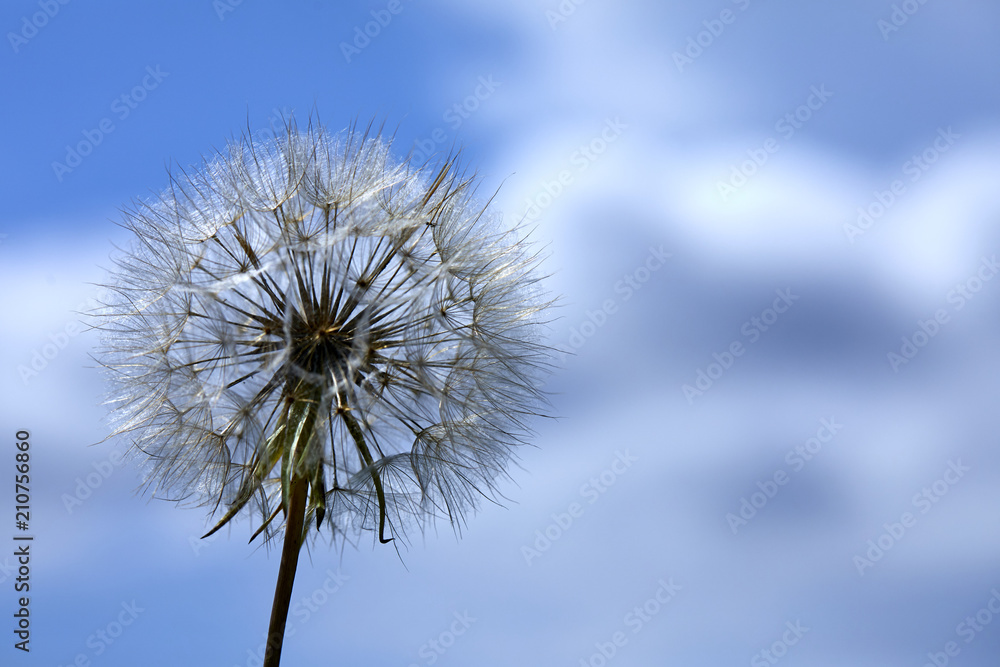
x=311 y=313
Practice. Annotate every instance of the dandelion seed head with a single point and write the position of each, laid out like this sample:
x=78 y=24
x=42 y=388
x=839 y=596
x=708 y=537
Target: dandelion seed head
x=315 y=282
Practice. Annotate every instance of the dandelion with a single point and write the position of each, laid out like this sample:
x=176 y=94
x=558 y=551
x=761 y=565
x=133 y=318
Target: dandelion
x=311 y=329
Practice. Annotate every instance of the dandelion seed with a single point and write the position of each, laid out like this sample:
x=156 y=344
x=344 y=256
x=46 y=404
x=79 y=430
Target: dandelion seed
x=309 y=328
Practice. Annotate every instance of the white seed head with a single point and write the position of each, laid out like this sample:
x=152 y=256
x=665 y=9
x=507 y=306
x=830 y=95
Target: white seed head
x=311 y=306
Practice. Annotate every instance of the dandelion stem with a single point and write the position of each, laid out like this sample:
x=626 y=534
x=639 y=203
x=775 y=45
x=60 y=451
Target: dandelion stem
x=286 y=572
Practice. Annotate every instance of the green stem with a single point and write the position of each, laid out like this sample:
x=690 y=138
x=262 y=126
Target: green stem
x=286 y=573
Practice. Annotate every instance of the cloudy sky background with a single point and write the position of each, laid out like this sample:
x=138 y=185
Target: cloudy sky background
x=598 y=97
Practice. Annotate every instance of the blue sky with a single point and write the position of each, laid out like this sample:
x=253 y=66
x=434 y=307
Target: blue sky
x=773 y=226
